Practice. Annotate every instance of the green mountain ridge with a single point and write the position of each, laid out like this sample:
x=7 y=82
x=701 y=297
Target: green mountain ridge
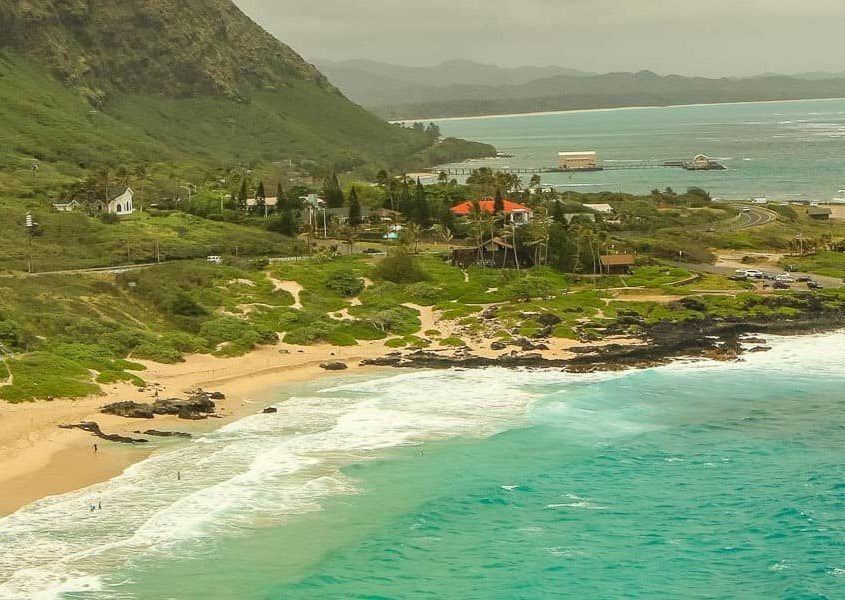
x=397 y=97
x=85 y=83
x=168 y=47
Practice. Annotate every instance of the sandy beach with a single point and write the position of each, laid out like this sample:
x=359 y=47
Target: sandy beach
x=39 y=459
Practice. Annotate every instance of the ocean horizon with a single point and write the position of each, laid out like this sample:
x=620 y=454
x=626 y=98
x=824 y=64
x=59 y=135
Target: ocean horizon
x=695 y=479
x=782 y=150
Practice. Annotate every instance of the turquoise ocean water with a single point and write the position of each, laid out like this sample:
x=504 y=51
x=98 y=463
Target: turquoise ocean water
x=782 y=150
x=694 y=480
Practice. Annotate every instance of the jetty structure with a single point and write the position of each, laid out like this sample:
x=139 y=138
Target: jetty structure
x=586 y=161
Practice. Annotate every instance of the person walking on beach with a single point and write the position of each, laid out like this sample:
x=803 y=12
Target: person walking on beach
x=178 y=475
x=95 y=448
x=100 y=505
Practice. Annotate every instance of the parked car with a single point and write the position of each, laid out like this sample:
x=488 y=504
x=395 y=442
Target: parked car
x=753 y=274
x=814 y=285
x=803 y=279
x=217 y=260
x=770 y=276
x=372 y=251
x=785 y=278
x=780 y=285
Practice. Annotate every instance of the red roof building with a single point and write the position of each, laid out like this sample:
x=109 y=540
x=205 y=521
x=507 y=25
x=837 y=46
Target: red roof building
x=516 y=213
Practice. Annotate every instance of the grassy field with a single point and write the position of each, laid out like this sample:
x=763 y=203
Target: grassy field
x=826 y=262
x=74 y=240
x=65 y=334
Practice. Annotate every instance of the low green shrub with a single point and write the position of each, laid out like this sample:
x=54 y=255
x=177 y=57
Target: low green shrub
x=159 y=352
x=400 y=266
x=345 y=284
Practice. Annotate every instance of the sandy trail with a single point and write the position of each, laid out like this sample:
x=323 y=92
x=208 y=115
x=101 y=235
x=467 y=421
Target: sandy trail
x=291 y=287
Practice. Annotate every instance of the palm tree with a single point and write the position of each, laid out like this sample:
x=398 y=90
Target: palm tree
x=411 y=236
x=540 y=230
x=349 y=235
x=104 y=179
x=140 y=173
x=444 y=234
x=576 y=231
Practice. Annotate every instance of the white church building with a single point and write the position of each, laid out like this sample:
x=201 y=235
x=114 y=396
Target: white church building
x=122 y=205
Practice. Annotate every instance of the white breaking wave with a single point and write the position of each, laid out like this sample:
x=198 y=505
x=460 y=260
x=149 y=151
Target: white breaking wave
x=263 y=468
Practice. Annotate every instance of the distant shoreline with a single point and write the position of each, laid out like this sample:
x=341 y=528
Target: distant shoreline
x=607 y=109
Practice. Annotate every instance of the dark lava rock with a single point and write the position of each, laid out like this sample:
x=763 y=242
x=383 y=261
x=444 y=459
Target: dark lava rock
x=198 y=406
x=690 y=304
x=129 y=410
x=94 y=428
x=527 y=345
x=490 y=313
x=498 y=346
x=760 y=349
x=217 y=396
x=270 y=410
x=548 y=319
x=177 y=434
x=581 y=369
x=544 y=332
x=334 y=366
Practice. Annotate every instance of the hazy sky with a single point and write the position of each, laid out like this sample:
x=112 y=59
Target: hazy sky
x=711 y=37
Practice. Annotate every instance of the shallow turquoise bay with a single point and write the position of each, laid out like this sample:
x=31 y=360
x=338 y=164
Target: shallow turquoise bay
x=782 y=150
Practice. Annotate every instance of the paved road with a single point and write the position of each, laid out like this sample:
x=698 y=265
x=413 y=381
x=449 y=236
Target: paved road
x=755 y=217
x=828 y=282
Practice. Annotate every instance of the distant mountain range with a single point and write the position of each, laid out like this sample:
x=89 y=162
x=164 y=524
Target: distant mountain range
x=464 y=88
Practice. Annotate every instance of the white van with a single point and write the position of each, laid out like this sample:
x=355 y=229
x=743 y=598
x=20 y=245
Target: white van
x=217 y=260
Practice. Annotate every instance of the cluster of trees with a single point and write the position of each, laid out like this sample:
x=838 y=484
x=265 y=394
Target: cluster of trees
x=432 y=130
x=98 y=188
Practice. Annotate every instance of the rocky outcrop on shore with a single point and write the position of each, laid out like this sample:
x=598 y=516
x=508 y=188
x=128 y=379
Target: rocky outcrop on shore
x=166 y=434
x=334 y=366
x=94 y=429
x=198 y=406
x=714 y=338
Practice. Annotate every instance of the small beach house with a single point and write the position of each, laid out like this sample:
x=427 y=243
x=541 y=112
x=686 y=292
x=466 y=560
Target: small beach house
x=819 y=213
x=496 y=253
x=66 y=206
x=515 y=213
x=617 y=264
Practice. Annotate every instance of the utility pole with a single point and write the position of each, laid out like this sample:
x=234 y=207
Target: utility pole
x=31 y=227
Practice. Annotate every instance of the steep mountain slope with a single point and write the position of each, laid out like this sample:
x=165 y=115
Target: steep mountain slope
x=84 y=82
x=169 y=47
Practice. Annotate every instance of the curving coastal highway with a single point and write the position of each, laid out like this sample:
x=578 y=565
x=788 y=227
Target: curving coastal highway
x=754 y=217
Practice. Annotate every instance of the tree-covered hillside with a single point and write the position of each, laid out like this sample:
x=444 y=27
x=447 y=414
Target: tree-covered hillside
x=84 y=83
